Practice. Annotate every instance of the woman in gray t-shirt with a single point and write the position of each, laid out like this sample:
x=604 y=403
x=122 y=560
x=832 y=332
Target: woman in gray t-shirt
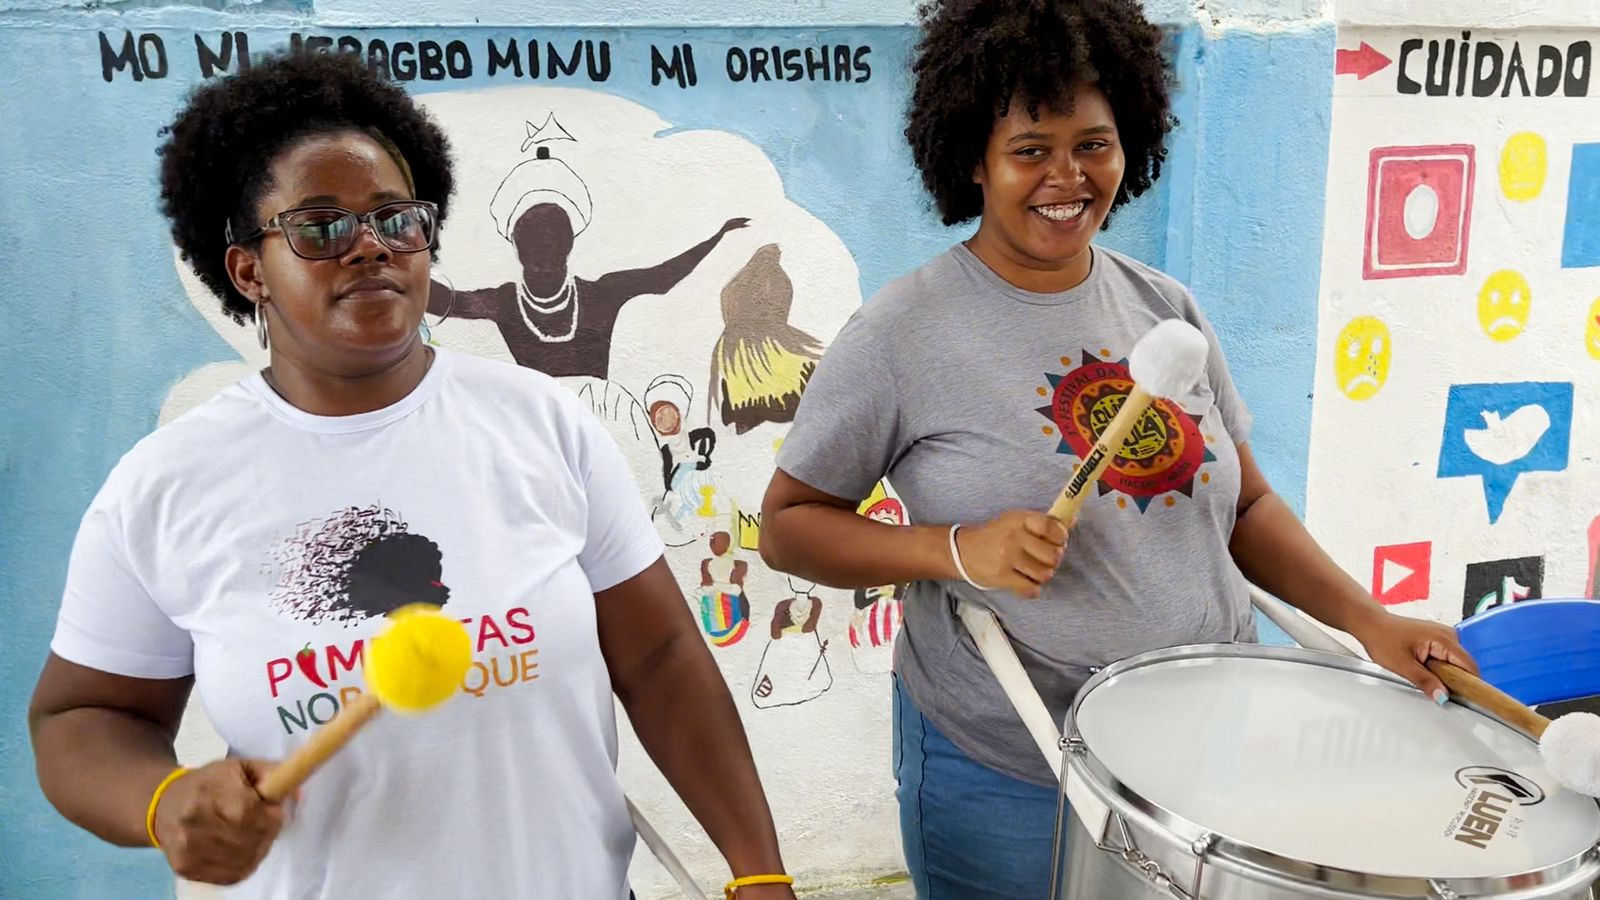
x=975 y=383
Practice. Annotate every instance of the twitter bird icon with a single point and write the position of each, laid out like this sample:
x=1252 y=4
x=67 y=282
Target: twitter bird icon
x=1500 y=432
x=1505 y=439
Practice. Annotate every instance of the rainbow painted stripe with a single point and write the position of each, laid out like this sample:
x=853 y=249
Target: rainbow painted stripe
x=725 y=617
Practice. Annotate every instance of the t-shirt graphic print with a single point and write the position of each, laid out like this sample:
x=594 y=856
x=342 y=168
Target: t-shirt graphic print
x=1164 y=452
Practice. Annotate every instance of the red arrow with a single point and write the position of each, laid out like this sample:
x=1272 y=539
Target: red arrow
x=1361 y=63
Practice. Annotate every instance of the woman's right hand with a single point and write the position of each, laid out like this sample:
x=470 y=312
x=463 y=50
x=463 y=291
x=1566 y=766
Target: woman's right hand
x=213 y=825
x=1016 y=551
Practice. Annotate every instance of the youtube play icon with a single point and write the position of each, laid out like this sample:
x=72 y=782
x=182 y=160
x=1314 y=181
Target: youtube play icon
x=1400 y=572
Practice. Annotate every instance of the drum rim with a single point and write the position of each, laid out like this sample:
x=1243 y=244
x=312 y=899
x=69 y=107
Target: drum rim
x=1128 y=803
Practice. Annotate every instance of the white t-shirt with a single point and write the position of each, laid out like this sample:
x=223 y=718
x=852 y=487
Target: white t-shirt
x=256 y=546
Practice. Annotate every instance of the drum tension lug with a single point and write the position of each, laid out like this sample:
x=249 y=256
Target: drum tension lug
x=1202 y=848
x=1442 y=891
x=1149 y=868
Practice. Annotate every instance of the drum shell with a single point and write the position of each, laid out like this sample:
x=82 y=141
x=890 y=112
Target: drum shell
x=1085 y=871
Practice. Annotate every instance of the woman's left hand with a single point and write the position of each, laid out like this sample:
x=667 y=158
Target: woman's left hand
x=1404 y=645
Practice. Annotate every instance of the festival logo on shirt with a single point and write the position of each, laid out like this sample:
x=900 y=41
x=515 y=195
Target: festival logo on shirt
x=1164 y=452
x=362 y=563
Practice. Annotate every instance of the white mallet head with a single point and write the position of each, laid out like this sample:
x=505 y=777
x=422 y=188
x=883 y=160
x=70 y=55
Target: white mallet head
x=1169 y=359
x=1571 y=751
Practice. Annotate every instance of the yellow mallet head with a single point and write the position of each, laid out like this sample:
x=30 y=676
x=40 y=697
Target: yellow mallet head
x=419 y=661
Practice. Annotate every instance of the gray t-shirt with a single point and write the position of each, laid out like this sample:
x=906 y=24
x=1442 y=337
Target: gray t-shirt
x=974 y=397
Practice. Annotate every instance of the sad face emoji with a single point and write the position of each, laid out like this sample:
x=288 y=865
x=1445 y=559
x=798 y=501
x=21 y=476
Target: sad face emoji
x=1524 y=163
x=1361 y=357
x=1591 y=334
x=1504 y=304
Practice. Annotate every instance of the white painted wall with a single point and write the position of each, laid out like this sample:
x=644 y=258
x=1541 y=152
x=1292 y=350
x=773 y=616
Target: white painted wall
x=1497 y=14
x=1375 y=467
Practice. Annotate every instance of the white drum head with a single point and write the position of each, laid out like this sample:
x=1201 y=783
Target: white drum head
x=1334 y=768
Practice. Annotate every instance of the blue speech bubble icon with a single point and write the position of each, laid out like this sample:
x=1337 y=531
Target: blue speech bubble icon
x=1501 y=431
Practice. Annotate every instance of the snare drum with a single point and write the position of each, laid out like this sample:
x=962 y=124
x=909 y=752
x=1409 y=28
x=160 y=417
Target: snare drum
x=1243 y=772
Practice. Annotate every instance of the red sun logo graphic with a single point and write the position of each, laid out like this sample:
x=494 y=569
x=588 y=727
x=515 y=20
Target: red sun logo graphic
x=1163 y=454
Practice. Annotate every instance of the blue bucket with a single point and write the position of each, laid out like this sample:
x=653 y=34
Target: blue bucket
x=1538 y=651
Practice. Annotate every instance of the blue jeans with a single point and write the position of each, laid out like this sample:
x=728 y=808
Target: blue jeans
x=969 y=832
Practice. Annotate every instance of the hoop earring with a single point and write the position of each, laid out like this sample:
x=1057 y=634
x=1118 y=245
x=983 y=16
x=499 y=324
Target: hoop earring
x=447 y=307
x=261 y=326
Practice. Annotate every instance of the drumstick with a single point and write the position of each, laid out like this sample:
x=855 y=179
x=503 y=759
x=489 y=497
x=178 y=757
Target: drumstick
x=282 y=780
x=414 y=665
x=1570 y=744
x=1165 y=363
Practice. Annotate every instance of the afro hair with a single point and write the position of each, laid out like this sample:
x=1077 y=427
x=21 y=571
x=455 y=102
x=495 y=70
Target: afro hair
x=978 y=57
x=215 y=162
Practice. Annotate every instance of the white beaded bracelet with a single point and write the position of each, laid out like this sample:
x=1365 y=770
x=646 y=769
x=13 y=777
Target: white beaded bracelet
x=955 y=556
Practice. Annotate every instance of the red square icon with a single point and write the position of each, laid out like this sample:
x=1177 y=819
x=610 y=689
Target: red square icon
x=1400 y=573
x=1593 y=586
x=1419 y=211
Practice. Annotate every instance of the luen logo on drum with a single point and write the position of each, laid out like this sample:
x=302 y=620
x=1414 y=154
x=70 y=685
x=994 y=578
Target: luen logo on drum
x=1525 y=791
x=1491 y=794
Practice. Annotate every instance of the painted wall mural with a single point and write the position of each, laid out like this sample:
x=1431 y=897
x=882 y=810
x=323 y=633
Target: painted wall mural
x=1452 y=462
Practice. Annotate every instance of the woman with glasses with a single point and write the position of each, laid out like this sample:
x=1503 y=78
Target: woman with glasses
x=249 y=548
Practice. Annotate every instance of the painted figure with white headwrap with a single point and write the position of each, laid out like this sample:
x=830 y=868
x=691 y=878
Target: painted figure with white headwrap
x=551 y=319
x=686 y=480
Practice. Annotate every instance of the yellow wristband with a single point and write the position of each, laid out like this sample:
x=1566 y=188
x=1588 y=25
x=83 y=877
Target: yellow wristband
x=150 y=814
x=749 y=880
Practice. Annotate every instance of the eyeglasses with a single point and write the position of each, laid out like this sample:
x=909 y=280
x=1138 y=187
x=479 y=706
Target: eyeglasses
x=325 y=232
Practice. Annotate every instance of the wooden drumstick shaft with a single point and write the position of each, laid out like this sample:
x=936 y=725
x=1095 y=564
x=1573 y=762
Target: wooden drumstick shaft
x=1470 y=687
x=323 y=743
x=1073 y=496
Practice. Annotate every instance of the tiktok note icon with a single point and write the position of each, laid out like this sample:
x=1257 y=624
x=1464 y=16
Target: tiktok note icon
x=1501 y=582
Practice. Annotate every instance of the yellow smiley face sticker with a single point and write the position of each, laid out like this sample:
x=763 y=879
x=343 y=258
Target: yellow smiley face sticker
x=1504 y=304
x=1523 y=165
x=1361 y=357
x=1591 y=333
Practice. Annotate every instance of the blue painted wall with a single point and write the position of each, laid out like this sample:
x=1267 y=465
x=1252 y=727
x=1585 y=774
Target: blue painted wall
x=1249 y=174
x=94 y=326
